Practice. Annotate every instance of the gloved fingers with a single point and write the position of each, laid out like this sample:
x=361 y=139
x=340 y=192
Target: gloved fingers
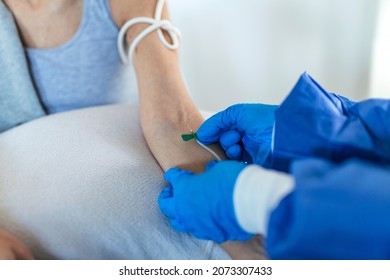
x=173 y=174
x=234 y=152
x=229 y=138
x=231 y=115
x=167 y=192
x=177 y=225
x=166 y=202
x=211 y=164
x=210 y=131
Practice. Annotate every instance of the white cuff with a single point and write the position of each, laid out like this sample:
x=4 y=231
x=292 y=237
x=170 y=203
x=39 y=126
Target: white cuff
x=257 y=193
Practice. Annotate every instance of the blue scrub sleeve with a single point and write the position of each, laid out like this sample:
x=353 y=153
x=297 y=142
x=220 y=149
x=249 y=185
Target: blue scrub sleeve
x=336 y=211
x=312 y=123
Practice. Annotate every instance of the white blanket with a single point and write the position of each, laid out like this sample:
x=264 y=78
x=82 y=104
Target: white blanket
x=84 y=185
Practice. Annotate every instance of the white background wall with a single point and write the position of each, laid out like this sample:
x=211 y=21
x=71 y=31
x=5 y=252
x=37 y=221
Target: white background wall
x=380 y=74
x=254 y=50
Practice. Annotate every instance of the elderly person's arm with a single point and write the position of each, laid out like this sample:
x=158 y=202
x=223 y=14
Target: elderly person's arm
x=167 y=110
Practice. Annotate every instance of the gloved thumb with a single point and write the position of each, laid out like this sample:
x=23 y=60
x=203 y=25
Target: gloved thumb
x=174 y=173
x=166 y=202
x=210 y=131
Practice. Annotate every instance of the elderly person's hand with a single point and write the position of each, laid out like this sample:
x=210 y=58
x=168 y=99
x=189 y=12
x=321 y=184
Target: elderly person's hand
x=13 y=249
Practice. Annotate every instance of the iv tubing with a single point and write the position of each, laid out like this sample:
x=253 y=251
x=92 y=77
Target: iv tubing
x=156 y=23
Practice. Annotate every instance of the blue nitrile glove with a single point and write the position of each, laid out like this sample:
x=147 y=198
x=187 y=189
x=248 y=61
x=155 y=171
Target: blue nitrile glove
x=202 y=204
x=244 y=131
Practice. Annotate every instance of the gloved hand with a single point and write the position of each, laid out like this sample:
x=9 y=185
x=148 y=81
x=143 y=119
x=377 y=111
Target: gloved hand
x=202 y=204
x=244 y=131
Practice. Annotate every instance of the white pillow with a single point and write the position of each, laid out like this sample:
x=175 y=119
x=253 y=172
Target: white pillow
x=84 y=185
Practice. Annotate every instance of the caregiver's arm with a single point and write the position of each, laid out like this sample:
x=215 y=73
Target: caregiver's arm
x=167 y=110
x=331 y=127
x=335 y=211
